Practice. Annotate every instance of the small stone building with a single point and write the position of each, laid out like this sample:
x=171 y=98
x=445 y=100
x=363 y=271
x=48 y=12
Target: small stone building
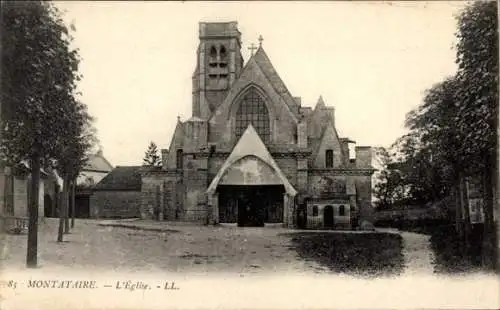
x=118 y=194
x=252 y=153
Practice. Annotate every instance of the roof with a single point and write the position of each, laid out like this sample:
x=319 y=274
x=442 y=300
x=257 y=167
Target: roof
x=98 y=163
x=121 y=178
x=268 y=69
x=250 y=144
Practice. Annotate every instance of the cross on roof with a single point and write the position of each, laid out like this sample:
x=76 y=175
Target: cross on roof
x=252 y=48
x=260 y=40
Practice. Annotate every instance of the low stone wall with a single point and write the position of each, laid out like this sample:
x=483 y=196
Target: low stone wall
x=115 y=204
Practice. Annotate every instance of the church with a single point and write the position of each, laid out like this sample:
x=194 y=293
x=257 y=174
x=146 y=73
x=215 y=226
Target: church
x=251 y=154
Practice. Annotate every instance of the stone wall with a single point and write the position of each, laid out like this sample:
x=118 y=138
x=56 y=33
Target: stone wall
x=321 y=184
x=288 y=166
x=160 y=193
x=115 y=204
x=364 y=197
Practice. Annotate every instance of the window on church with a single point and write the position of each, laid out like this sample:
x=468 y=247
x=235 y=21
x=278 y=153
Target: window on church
x=253 y=110
x=179 y=159
x=223 y=52
x=213 y=52
x=315 y=211
x=342 y=210
x=329 y=159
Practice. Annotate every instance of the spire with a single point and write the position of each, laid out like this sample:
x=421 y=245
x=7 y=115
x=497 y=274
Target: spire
x=260 y=40
x=320 y=103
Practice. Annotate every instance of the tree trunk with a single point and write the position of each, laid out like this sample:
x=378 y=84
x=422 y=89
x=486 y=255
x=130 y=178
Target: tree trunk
x=63 y=209
x=31 y=256
x=54 y=202
x=465 y=209
x=73 y=207
x=9 y=192
x=458 y=212
x=67 y=190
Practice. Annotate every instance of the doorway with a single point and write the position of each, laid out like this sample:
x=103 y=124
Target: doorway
x=251 y=205
x=328 y=217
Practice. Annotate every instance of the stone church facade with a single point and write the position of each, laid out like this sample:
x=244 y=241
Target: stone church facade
x=251 y=154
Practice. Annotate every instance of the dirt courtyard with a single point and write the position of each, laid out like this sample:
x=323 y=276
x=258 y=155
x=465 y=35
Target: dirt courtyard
x=197 y=249
x=176 y=247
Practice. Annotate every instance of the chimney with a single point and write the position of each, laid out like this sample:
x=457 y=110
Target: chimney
x=363 y=157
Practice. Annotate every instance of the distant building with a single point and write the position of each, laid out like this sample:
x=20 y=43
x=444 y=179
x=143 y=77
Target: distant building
x=15 y=190
x=118 y=194
x=95 y=170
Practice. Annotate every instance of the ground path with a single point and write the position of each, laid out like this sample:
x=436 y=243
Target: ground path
x=417 y=252
x=182 y=247
x=164 y=247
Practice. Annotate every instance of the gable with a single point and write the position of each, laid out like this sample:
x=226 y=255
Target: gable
x=176 y=143
x=98 y=163
x=252 y=75
x=250 y=144
x=329 y=141
x=276 y=82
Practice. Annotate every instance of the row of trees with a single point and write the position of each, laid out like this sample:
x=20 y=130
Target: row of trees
x=43 y=122
x=453 y=133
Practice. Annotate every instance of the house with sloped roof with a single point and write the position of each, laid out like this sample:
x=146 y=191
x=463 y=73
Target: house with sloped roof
x=96 y=168
x=118 y=194
x=251 y=154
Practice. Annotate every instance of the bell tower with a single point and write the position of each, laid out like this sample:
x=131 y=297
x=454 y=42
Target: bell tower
x=219 y=64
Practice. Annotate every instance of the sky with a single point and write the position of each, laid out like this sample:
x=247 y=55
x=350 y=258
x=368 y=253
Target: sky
x=372 y=61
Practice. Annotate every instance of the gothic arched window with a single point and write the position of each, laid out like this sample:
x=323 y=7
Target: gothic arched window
x=213 y=52
x=223 y=52
x=253 y=110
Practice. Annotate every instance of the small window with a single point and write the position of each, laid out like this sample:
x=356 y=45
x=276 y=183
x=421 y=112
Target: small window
x=342 y=210
x=223 y=52
x=213 y=52
x=179 y=159
x=315 y=211
x=329 y=159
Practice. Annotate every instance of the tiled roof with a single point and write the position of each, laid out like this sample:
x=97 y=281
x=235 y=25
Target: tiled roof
x=121 y=178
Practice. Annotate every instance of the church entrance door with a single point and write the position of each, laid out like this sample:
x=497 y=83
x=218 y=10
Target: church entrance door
x=328 y=217
x=251 y=205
